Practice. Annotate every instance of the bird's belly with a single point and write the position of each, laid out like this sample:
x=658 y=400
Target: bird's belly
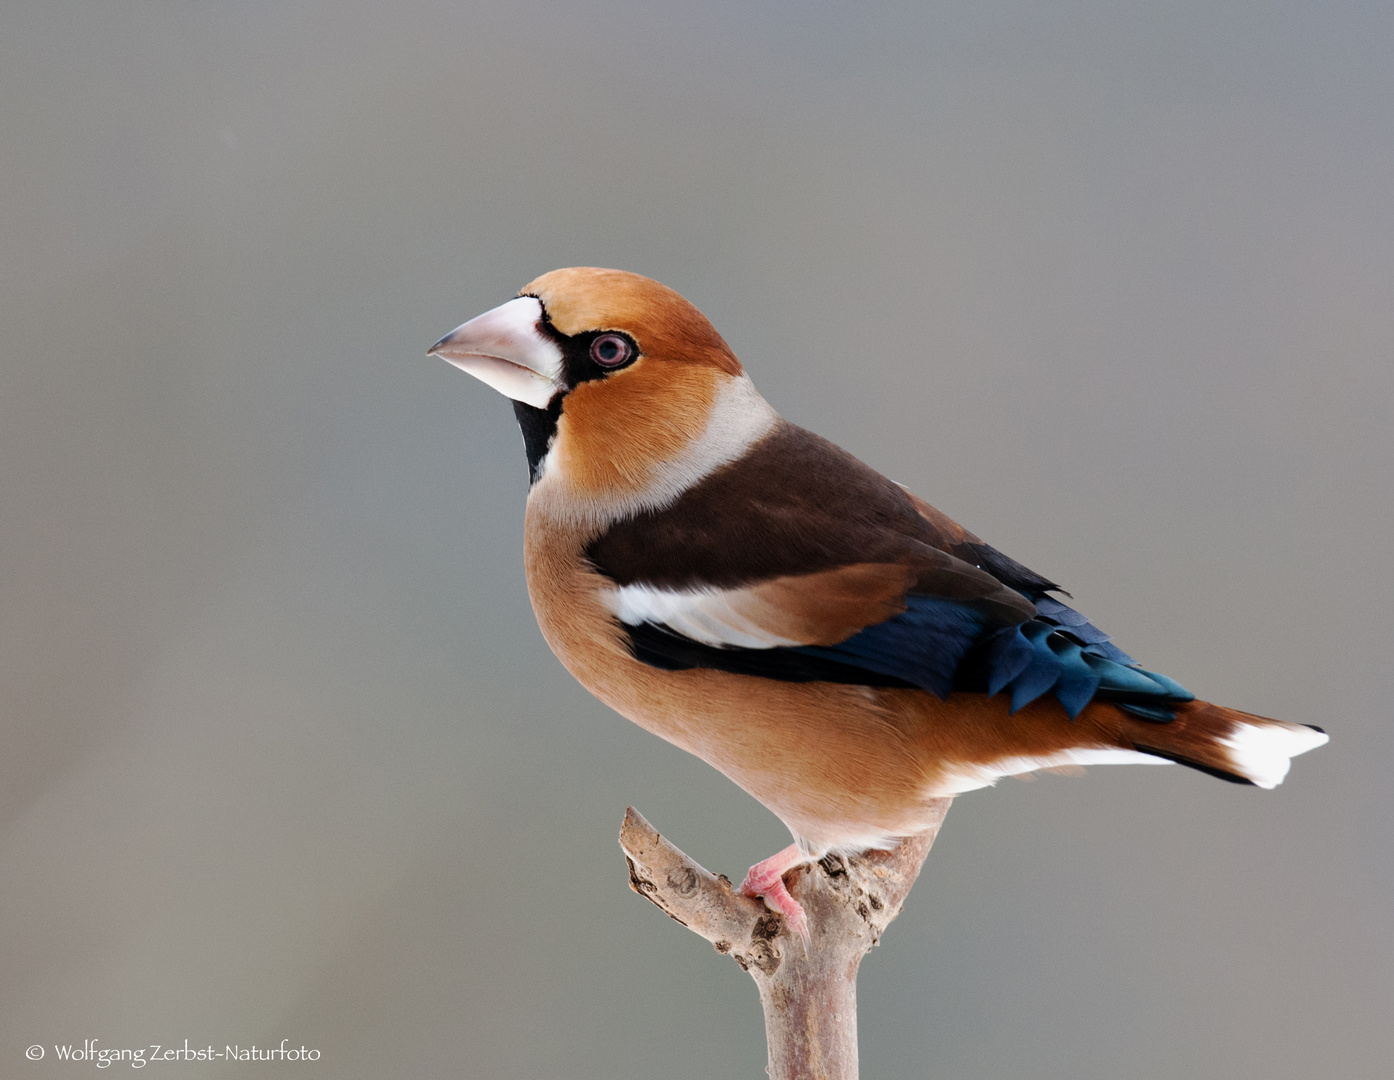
x=831 y=761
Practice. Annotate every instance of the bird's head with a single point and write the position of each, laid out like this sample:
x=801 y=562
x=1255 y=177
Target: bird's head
x=624 y=391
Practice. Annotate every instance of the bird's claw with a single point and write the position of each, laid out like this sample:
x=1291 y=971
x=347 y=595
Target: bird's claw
x=765 y=881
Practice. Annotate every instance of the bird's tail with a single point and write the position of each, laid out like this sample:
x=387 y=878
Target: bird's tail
x=1233 y=745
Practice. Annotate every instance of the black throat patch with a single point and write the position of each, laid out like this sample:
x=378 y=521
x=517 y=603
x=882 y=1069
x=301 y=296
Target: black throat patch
x=539 y=426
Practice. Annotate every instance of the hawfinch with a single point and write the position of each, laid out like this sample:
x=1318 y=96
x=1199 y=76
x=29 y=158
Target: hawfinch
x=759 y=597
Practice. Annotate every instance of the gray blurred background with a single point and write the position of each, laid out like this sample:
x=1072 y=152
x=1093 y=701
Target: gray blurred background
x=283 y=754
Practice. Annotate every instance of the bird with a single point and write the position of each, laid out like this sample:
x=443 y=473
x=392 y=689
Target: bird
x=756 y=595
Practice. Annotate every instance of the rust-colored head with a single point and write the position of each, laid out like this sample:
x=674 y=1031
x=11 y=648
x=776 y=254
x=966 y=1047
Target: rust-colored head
x=586 y=299
x=620 y=385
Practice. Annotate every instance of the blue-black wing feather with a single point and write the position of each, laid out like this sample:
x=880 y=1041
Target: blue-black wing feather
x=943 y=646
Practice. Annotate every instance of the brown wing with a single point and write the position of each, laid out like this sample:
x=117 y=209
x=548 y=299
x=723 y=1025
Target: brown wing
x=798 y=542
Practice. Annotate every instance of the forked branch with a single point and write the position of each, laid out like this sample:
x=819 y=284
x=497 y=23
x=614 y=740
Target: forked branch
x=809 y=996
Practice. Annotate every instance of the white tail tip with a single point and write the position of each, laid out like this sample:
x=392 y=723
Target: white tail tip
x=1263 y=753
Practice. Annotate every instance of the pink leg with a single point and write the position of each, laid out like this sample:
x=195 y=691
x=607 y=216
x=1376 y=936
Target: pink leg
x=766 y=880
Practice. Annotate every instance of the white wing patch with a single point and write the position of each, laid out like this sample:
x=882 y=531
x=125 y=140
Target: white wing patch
x=710 y=616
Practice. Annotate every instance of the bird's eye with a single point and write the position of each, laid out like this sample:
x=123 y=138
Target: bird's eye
x=611 y=350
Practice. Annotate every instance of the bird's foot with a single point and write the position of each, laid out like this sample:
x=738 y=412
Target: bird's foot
x=765 y=880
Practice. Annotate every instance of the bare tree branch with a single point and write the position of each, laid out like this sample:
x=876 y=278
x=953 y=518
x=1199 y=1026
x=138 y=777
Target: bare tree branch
x=809 y=996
